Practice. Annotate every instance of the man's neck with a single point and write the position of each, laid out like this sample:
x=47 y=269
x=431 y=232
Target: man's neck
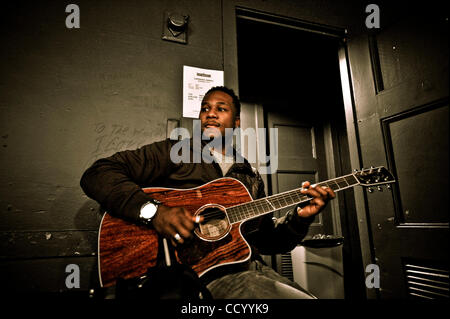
x=220 y=147
x=220 y=150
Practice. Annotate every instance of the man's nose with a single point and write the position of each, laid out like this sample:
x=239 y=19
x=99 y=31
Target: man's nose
x=211 y=113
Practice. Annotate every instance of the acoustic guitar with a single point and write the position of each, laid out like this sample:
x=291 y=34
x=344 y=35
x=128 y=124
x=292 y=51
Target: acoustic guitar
x=126 y=250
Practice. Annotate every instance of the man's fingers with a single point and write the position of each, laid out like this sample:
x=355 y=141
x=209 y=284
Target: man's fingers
x=175 y=223
x=179 y=228
x=198 y=219
x=318 y=191
x=174 y=235
x=311 y=191
x=321 y=190
x=174 y=242
x=325 y=191
x=184 y=227
x=330 y=192
x=186 y=223
x=319 y=197
x=317 y=201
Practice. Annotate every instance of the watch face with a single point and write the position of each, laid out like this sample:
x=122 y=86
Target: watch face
x=148 y=210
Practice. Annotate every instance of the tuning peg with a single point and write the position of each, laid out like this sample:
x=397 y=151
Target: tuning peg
x=388 y=186
x=380 y=189
x=370 y=190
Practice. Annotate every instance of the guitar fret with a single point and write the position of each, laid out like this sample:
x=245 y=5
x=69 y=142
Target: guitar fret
x=248 y=211
x=301 y=197
x=341 y=182
x=260 y=207
x=292 y=198
x=333 y=185
x=242 y=211
x=269 y=203
x=279 y=199
x=298 y=196
x=285 y=201
x=234 y=214
x=352 y=179
x=245 y=211
x=274 y=202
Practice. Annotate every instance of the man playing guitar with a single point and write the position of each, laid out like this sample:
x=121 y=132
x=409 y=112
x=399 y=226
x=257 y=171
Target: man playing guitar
x=117 y=183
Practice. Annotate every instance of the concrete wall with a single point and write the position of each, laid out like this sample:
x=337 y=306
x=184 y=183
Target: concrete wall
x=71 y=96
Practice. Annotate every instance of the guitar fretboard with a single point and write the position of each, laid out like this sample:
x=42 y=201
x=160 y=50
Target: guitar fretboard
x=279 y=201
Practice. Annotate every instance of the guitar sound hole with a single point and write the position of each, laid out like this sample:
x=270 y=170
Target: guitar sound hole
x=215 y=224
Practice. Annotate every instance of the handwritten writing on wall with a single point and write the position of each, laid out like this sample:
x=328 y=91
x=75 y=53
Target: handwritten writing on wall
x=111 y=138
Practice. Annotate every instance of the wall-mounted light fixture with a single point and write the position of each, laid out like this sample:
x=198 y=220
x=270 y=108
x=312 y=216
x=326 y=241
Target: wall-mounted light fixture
x=175 y=27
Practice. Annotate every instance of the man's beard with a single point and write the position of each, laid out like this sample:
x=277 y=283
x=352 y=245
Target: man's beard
x=217 y=141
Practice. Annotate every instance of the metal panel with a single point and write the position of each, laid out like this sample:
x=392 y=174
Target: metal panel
x=426 y=281
x=419 y=162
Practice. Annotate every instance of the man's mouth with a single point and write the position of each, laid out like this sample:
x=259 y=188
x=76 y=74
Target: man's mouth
x=211 y=124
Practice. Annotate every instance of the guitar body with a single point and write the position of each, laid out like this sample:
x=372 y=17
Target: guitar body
x=126 y=250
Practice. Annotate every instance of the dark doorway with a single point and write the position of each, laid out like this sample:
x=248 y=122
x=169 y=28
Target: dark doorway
x=293 y=74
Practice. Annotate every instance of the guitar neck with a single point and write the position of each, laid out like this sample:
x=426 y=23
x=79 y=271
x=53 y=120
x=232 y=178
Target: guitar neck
x=273 y=203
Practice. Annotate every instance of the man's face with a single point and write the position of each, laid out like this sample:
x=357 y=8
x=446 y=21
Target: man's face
x=217 y=113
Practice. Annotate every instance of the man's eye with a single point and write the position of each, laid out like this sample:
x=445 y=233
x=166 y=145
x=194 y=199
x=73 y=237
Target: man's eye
x=204 y=109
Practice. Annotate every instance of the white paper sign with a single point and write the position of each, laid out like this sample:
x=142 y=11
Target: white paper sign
x=196 y=82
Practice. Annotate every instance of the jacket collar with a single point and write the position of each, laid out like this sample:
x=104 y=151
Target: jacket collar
x=241 y=164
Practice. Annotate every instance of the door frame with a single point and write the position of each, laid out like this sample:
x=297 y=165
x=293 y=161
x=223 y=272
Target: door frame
x=230 y=12
x=365 y=235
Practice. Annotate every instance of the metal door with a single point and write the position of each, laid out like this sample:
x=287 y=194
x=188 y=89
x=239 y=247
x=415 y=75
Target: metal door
x=399 y=117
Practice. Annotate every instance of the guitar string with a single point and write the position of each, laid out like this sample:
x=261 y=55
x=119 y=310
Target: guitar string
x=251 y=209
x=239 y=210
x=246 y=208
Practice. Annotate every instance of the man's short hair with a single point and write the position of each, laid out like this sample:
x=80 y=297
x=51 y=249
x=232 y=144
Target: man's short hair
x=230 y=92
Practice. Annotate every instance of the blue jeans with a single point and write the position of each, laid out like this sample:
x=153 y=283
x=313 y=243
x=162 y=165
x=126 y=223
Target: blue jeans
x=258 y=282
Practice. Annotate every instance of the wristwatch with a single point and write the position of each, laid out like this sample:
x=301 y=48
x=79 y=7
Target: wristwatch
x=148 y=211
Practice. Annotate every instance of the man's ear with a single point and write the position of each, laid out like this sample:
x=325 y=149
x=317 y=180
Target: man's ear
x=237 y=122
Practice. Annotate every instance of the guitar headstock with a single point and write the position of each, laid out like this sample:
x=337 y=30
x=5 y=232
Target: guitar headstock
x=374 y=176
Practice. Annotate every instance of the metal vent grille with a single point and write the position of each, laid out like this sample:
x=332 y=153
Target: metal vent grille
x=427 y=282
x=286 y=266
